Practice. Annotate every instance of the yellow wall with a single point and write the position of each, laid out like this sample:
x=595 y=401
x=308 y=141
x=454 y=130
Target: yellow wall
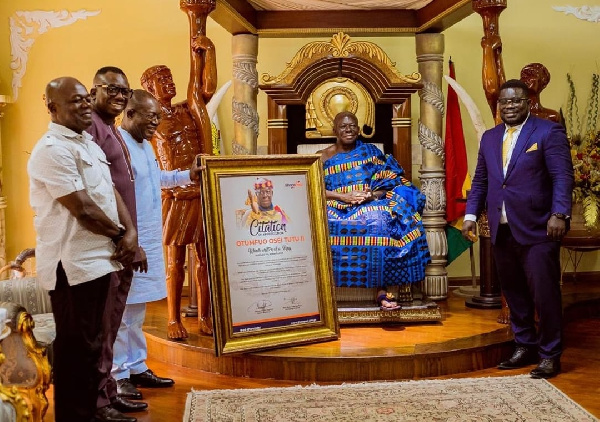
x=136 y=34
x=132 y=35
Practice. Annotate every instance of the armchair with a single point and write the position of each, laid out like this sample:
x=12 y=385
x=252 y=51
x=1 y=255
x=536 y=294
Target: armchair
x=13 y=407
x=25 y=372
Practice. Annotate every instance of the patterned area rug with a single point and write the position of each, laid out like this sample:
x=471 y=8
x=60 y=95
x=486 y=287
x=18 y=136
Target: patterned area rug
x=518 y=398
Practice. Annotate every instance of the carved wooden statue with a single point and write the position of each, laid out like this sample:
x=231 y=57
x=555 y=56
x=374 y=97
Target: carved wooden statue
x=493 y=67
x=184 y=132
x=536 y=77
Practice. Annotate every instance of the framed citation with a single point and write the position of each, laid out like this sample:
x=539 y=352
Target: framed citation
x=268 y=251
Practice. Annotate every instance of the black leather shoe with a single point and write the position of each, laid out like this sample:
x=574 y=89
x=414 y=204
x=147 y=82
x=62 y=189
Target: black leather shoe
x=128 y=406
x=127 y=390
x=148 y=379
x=110 y=414
x=522 y=356
x=547 y=368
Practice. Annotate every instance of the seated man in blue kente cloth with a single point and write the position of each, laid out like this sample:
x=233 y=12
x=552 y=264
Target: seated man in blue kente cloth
x=377 y=236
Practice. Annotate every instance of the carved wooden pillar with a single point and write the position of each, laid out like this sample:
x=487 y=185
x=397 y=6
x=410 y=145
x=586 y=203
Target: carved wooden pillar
x=401 y=128
x=277 y=126
x=430 y=56
x=3 y=101
x=245 y=90
x=492 y=78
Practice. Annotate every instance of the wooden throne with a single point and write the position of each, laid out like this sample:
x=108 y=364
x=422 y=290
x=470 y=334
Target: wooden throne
x=327 y=77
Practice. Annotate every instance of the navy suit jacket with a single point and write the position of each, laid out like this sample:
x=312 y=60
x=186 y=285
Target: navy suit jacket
x=538 y=181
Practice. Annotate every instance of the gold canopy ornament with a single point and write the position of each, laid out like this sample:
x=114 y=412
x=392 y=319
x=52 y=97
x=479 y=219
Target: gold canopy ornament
x=339 y=46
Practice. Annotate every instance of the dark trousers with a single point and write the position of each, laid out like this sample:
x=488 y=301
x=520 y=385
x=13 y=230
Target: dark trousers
x=120 y=283
x=530 y=280
x=78 y=312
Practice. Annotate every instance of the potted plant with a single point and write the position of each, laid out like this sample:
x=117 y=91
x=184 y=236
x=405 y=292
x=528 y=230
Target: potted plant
x=584 y=139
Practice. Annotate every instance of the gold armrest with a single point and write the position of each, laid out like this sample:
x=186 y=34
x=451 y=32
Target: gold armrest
x=26 y=367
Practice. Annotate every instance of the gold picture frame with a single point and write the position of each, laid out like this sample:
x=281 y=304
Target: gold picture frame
x=269 y=252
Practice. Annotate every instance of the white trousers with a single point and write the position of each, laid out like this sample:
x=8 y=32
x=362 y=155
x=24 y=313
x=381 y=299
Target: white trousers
x=130 y=350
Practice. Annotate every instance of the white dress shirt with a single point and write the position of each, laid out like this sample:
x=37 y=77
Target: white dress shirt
x=63 y=162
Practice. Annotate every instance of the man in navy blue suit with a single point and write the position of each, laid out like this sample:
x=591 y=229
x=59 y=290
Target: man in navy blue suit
x=524 y=178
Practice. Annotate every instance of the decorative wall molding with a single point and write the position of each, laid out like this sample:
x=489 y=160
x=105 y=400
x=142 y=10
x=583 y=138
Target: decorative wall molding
x=585 y=13
x=26 y=26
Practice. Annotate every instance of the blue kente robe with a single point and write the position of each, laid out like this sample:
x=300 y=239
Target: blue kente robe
x=378 y=243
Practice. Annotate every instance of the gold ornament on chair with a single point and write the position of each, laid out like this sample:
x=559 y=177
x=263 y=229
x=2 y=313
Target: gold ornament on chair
x=332 y=97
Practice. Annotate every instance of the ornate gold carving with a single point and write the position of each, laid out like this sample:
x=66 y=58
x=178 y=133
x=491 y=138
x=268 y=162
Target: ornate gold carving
x=339 y=46
x=25 y=325
x=12 y=396
x=424 y=313
x=333 y=96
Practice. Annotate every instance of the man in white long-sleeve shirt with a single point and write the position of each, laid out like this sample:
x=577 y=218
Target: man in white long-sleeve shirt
x=141 y=118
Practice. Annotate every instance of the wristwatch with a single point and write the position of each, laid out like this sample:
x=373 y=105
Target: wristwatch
x=117 y=238
x=561 y=216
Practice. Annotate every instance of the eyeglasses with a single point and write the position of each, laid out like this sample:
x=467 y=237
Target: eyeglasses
x=113 y=90
x=510 y=101
x=264 y=192
x=151 y=117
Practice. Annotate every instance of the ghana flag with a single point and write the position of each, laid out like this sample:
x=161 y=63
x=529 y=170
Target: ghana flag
x=458 y=180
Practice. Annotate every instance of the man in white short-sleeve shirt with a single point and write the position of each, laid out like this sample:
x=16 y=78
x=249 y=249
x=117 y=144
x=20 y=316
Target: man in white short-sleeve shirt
x=84 y=233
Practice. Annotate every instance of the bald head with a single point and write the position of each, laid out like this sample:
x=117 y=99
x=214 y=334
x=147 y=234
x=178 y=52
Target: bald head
x=142 y=115
x=139 y=99
x=69 y=103
x=338 y=117
x=345 y=127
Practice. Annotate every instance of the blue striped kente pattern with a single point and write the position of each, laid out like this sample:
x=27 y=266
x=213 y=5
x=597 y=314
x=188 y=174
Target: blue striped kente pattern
x=382 y=242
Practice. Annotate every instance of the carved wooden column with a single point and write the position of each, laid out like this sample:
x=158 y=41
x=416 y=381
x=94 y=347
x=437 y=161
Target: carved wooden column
x=401 y=129
x=492 y=78
x=277 y=126
x=3 y=101
x=430 y=56
x=245 y=90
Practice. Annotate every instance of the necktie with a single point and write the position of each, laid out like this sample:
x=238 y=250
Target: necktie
x=507 y=143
